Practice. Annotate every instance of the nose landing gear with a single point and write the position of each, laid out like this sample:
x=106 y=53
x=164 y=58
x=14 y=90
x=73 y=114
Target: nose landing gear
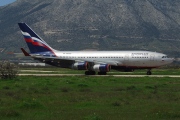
x=149 y=72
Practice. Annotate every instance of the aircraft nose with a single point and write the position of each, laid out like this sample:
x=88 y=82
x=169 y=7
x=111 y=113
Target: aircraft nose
x=171 y=60
x=168 y=60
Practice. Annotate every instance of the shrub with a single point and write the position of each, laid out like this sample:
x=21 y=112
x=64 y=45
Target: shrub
x=8 y=70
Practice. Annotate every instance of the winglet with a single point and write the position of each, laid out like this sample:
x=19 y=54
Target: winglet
x=25 y=53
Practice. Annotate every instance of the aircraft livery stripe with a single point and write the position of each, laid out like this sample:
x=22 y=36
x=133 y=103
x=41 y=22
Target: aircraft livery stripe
x=26 y=35
x=29 y=40
x=37 y=42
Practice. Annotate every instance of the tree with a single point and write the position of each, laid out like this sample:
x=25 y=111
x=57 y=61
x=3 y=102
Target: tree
x=8 y=70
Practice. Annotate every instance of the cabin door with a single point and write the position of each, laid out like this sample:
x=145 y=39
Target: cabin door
x=152 y=57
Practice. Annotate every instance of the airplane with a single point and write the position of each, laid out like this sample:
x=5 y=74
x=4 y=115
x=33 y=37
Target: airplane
x=91 y=61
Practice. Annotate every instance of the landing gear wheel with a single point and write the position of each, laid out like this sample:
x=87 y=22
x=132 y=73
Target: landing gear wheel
x=86 y=72
x=90 y=73
x=149 y=72
x=102 y=73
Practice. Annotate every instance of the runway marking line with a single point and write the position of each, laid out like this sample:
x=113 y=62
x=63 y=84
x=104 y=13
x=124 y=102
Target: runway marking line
x=172 y=76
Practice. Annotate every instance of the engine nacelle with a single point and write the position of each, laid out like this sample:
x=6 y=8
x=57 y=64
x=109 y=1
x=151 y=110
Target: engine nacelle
x=80 y=66
x=102 y=68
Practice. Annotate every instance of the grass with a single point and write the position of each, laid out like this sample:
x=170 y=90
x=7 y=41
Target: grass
x=89 y=98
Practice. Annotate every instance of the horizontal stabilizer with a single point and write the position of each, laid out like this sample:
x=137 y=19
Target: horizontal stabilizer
x=25 y=53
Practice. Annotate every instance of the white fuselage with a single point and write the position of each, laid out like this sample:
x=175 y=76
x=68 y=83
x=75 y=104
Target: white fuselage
x=134 y=59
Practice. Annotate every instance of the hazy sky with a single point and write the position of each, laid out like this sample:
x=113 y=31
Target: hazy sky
x=5 y=2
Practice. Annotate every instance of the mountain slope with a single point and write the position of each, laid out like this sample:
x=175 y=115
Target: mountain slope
x=95 y=24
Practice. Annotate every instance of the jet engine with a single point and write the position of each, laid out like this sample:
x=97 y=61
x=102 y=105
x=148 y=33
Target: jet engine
x=80 y=66
x=102 y=67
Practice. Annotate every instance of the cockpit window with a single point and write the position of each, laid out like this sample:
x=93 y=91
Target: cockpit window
x=164 y=56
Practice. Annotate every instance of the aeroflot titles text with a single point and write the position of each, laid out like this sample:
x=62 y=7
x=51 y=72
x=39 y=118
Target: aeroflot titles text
x=144 y=54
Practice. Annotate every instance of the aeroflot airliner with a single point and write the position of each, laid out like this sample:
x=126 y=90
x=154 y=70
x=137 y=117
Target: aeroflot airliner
x=91 y=61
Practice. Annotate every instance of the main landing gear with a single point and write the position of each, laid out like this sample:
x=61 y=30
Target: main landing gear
x=149 y=72
x=90 y=73
x=94 y=73
x=102 y=73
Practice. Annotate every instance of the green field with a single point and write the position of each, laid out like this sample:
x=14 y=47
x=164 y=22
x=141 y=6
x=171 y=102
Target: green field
x=89 y=98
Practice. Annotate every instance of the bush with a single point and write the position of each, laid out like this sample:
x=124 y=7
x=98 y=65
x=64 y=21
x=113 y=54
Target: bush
x=8 y=70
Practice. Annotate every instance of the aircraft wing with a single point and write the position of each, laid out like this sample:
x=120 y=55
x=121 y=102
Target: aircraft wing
x=114 y=63
x=57 y=60
x=72 y=60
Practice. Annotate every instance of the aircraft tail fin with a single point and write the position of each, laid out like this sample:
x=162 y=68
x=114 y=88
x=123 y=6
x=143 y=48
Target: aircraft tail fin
x=35 y=43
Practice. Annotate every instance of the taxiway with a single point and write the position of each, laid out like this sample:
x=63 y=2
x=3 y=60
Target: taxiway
x=172 y=76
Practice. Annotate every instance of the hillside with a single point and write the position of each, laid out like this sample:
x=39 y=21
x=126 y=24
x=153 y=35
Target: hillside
x=95 y=24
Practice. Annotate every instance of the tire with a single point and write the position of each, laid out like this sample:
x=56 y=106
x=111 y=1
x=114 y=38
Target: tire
x=149 y=73
x=102 y=73
x=90 y=73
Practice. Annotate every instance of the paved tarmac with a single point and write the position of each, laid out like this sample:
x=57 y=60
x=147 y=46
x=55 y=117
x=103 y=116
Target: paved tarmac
x=172 y=76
